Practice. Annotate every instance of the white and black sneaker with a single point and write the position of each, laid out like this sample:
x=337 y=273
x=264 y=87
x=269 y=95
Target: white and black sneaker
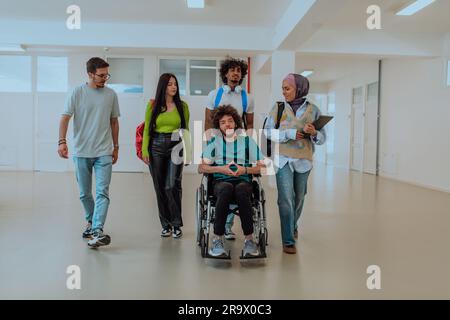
x=99 y=239
x=87 y=233
x=177 y=233
x=166 y=232
x=229 y=235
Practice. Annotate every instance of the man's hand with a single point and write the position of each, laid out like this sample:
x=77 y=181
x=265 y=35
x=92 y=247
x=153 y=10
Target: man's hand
x=240 y=171
x=115 y=155
x=227 y=170
x=63 y=151
x=146 y=160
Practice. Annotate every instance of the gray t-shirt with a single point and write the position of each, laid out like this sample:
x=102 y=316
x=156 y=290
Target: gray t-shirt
x=92 y=110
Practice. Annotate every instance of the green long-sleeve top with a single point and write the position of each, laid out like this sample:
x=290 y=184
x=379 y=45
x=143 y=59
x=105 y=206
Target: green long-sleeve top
x=167 y=122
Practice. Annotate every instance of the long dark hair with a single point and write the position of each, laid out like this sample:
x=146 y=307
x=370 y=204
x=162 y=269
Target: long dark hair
x=159 y=105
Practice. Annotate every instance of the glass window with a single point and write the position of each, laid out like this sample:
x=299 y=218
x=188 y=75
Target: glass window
x=178 y=68
x=127 y=75
x=332 y=103
x=52 y=74
x=358 y=95
x=15 y=74
x=330 y=128
x=372 y=92
x=202 y=77
x=448 y=73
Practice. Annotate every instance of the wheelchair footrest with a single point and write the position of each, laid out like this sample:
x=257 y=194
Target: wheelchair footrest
x=227 y=257
x=260 y=256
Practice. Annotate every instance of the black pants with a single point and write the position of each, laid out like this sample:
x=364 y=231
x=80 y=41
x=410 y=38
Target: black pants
x=226 y=192
x=166 y=180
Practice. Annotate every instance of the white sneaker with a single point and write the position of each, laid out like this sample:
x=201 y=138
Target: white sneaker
x=217 y=249
x=250 y=249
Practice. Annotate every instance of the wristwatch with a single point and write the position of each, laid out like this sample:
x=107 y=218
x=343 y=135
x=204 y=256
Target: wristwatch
x=116 y=146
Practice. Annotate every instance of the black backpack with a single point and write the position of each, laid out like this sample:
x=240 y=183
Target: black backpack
x=280 y=111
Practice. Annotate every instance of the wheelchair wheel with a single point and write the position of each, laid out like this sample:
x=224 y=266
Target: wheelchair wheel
x=198 y=215
x=262 y=242
x=203 y=244
x=204 y=239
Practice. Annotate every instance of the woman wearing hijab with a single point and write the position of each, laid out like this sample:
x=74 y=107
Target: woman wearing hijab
x=296 y=137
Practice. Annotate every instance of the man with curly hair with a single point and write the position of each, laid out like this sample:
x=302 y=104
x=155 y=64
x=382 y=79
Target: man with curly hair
x=232 y=158
x=232 y=74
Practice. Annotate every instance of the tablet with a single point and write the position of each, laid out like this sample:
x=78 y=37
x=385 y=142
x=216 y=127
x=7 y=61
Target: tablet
x=321 y=122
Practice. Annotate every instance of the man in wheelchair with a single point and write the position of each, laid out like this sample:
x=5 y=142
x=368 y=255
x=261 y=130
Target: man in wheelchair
x=232 y=158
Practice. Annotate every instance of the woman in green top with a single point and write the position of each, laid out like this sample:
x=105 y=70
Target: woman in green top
x=165 y=116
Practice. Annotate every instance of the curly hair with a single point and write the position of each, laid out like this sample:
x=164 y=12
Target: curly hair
x=233 y=63
x=226 y=110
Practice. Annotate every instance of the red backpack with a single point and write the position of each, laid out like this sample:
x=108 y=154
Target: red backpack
x=140 y=137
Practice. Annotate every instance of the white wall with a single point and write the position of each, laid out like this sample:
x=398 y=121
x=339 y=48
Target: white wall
x=415 y=113
x=318 y=88
x=16 y=131
x=363 y=73
x=261 y=88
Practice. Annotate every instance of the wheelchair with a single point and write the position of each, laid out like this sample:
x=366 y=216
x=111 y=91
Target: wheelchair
x=205 y=215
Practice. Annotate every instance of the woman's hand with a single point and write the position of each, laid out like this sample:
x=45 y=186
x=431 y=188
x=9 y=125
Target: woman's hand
x=299 y=135
x=146 y=160
x=309 y=128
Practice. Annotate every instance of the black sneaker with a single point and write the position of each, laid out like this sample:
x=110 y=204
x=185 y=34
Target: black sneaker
x=87 y=234
x=166 y=232
x=99 y=239
x=177 y=233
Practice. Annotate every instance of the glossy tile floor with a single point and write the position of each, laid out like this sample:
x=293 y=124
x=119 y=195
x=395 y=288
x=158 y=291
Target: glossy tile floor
x=350 y=221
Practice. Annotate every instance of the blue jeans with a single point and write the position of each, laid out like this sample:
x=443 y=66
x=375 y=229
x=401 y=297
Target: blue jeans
x=292 y=188
x=94 y=211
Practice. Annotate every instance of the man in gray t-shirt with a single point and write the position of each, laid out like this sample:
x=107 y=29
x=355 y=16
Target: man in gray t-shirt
x=95 y=111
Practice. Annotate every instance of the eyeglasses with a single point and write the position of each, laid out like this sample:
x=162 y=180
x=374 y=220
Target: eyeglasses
x=104 y=76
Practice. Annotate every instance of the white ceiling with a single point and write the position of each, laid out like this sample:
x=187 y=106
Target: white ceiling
x=433 y=19
x=139 y=52
x=227 y=26
x=249 y=13
x=329 y=68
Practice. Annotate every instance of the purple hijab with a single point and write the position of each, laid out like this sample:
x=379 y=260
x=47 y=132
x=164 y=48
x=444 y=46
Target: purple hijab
x=301 y=84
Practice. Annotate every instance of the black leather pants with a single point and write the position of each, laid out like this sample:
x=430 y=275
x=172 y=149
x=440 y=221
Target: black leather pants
x=166 y=180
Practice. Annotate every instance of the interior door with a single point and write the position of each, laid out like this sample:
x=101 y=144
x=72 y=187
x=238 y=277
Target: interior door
x=371 y=129
x=357 y=134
